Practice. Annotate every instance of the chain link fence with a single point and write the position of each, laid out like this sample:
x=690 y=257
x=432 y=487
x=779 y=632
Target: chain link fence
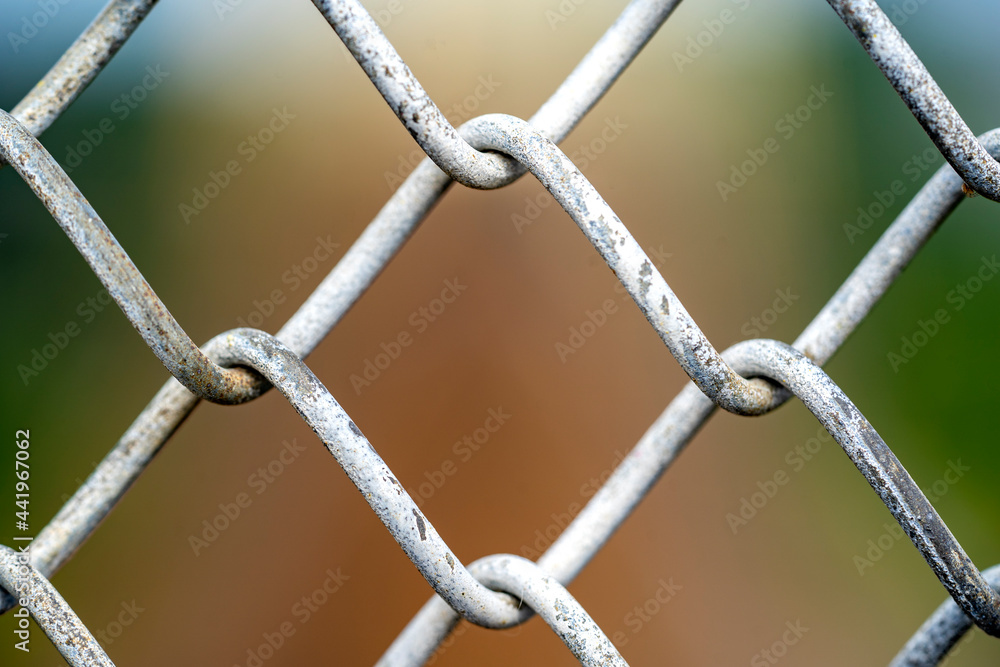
x=488 y=152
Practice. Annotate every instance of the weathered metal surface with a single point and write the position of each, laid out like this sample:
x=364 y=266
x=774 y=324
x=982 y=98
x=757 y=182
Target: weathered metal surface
x=939 y=633
x=666 y=438
x=921 y=93
x=481 y=593
x=80 y=64
x=345 y=284
x=116 y=271
x=51 y=612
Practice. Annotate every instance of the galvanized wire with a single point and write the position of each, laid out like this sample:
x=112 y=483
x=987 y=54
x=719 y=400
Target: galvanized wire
x=667 y=437
x=345 y=284
x=925 y=99
x=60 y=624
x=80 y=64
x=940 y=632
x=117 y=272
x=480 y=593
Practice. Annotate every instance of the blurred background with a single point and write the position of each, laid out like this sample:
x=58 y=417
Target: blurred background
x=194 y=88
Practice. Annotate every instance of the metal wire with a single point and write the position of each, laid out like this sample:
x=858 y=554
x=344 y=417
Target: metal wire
x=345 y=284
x=925 y=99
x=80 y=64
x=940 y=632
x=50 y=611
x=117 y=272
x=677 y=425
x=752 y=377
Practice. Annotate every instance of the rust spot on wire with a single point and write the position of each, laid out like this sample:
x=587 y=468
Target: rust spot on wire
x=420 y=525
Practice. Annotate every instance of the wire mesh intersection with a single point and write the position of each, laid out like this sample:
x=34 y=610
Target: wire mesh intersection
x=750 y=378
